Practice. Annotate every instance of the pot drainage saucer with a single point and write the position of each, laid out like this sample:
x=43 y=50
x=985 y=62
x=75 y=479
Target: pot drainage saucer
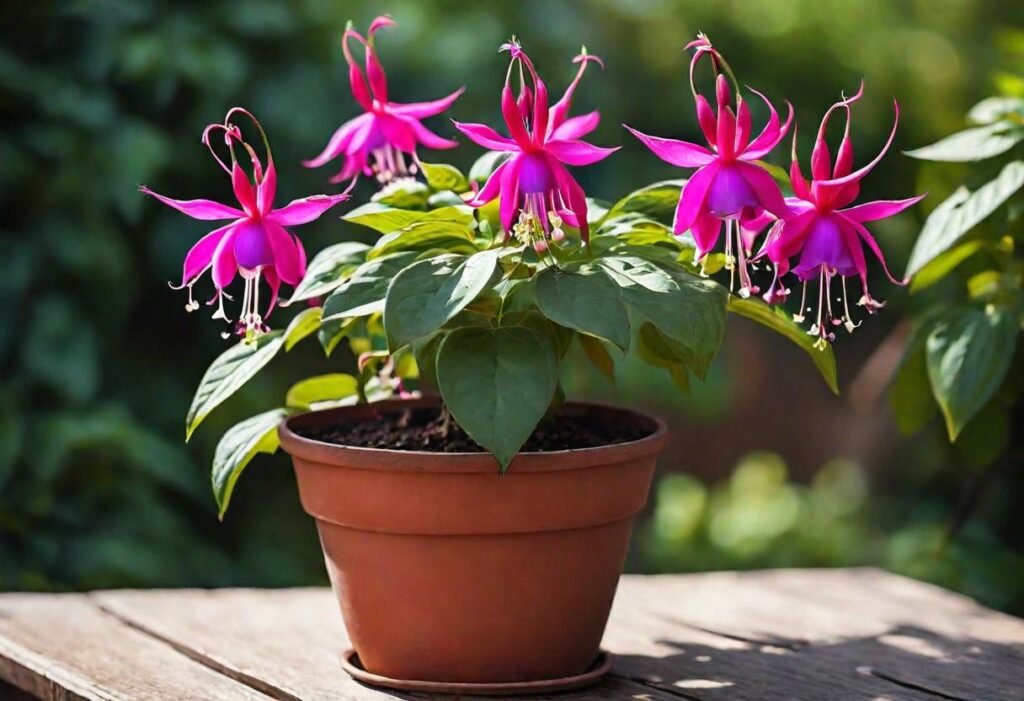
x=351 y=664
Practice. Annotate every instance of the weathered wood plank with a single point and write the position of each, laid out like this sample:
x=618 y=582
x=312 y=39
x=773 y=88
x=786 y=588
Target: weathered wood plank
x=63 y=648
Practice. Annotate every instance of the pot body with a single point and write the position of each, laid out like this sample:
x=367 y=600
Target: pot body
x=447 y=571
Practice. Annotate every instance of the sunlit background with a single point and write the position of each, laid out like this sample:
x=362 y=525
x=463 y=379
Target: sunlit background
x=767 y=468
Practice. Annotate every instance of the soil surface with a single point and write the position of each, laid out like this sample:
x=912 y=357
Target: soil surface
x=424 y=429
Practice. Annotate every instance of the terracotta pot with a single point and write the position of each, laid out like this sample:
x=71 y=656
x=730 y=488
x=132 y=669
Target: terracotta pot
x=447 y=571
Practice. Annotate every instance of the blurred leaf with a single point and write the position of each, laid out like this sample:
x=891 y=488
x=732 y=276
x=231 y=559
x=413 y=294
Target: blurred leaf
x=910 y=396
x=403 y=194
x=984 y=439
x=944 y=263
x=974 y=144
x=598 y=355
x=236 y=449
x=60 y=351
x=487 y=164
x=992 y=109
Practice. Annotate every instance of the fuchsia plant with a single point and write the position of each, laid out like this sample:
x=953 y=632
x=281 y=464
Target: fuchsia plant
x=387 y=131
x=256 y=244
x=535 y=190
x=440 y=302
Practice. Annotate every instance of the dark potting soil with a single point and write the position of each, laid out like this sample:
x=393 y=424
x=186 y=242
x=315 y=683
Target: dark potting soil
x=424 y=429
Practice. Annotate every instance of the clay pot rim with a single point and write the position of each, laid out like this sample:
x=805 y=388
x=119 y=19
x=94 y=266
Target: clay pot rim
x=354 y=457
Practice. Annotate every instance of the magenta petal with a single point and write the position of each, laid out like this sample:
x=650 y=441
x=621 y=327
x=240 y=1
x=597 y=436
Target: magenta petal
x=266 y=190
x=375 y=76
x=379 y=23
x=491 y=189
x=873 y=245
x=287 y=256
x=772 y=133
x=421 y=110
x=243 y=189
x=398 y=133
x=706 y=119
x=251 y=245
x=426 y=137
x=509 y=204
x=200 y=256
x=513 y=118
x=768 y=193
x=572 y=194
x=825 y=246
x=730 y=193
x=304 y=210
x=358 y=85
x=743 y=126
x=861 y=172
x=871 y=211
x=483 y=135
x=205 y=210
x=274 y=283
x=694 y=193
x=705 y=230
x=339 y=141
x=789 y=238
x=353 y=164
x=678 y=153
x=224 y=265
x=577 y=127
x=578 y=153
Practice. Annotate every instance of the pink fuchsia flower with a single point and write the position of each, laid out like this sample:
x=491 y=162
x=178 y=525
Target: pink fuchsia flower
x=387 y=131
x=535 y=190
x=728 y=185
x=256 y=243
x=825 y=232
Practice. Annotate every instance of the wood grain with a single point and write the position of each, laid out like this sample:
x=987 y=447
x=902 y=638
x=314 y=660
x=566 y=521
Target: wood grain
x=787 y=634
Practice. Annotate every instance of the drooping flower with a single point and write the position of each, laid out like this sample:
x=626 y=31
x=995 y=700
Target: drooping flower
x=728 y=185
x=535 y=190
x=825 y=232
x=256 y=243
x=377 y=142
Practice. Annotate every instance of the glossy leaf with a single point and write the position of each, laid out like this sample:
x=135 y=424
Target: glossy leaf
x=487 y=164
x=968 y=354
x=328 y=270
x=441 y=176
x=364 y=292
x=226 y=375
x=450 y=236
x=657 y=201
x=236 y=449
x=388 y=219
x=964 y=210
x=322 y=388
x=776 y=319
x=404 y=194
x=305 y=323
x=585 y=299
x=497 y=383
x=428 y=293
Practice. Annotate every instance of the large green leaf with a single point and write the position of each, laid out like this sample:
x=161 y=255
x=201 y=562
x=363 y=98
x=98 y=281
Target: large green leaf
x=450 y=236
x=403 y=194
x=975 y=144
x=992 y=109
x=655 y=348
x=964 y=210
x=321 y=388
x=910 y=396
x=364 y=292
x=328 y=270
x=305 y=323
x=228 y=373
x=687 y=309
x=497 y=383
x=585 y=299
x=487 y=164
x=598 y=355
x=442 y=176
x=237 y=447
x=428 y=293
x=968 y=354
x=657 y=201
x=778 y=320
x=943 y=264
x=388 y=219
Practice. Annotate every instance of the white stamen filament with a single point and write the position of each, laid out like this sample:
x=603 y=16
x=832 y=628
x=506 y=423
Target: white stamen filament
x=799 y=316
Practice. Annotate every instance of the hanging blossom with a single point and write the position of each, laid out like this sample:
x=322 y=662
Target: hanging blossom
x=826 y=233
x=537 y=193
x=728 y=185
x=377 y=142
x=256 y=243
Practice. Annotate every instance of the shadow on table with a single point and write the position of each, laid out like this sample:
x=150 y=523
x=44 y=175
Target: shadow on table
x=905 y=662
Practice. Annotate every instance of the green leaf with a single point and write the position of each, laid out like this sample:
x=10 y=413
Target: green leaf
x=305 y=323
x=943 y=264
x=404 y=194
x=497 y=383
x=328 y=270
x=910 y=396
x=322 y=388
x=333 y=331
x=992 y=109
x=487 y=164
x=449 y=236
x=228 y=373
x=598 y=355
x=985 y=437
x=779 y=321
x=363 y=293
x=586 y=300
x=968 y=354
x=657 y=201
x=442 y=176
x=686 y=309
x=237 y=447
x=975 y=144
x=964 y=210
x=429 y=292
x=388 y=219
x=655 y=349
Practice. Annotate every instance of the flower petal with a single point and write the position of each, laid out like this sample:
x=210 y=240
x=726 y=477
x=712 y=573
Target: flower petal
x=693 y=197
x=421 y=110
x=398 y=133
x=509 y=204
x=767 y=190
x=678 y=153
x=490 y=190
x=572 y=194
x=287 y=256
x=705 y=230
x=200 y=256
x=514 y=118
x=305 y=210
x=880 y=209
x=339 y=141
x=876 y=249
x=861 y=172
x=577 y=127
x=706 y=119
x=375 y=75
x=483 y=135
x=743 y=126
x=224 y=265
x=243 y=189
x=205 y=210
x=772 y=133
x=426 y=137
x=274 y=283
x=560 y=110
x=578 y=153
x=267 y=190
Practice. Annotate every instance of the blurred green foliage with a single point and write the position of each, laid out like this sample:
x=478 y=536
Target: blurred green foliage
x=99 y=360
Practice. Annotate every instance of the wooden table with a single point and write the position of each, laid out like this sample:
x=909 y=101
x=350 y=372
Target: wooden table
x=787 y=634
